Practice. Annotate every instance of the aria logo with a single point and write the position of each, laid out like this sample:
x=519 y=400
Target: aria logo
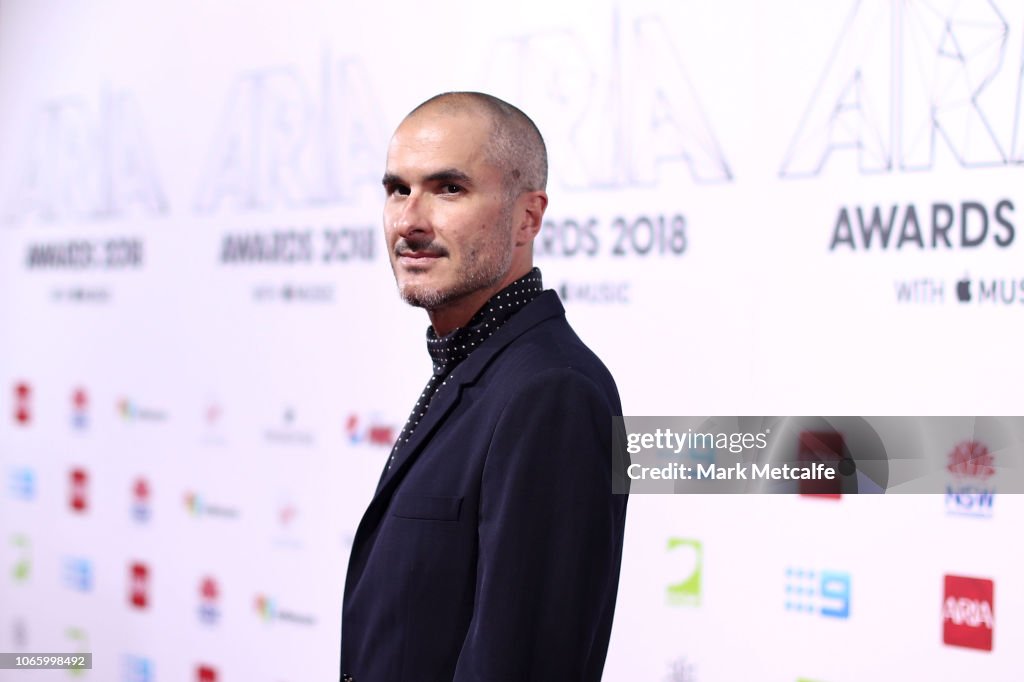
x=78 y=496
x=687 y=557
x=970 y=466
x=22 y=403
x=209 y=596
x=371 y=431
x=618 y=131
x=139 y=578
x=206 y=673
x=906 y=79
x=825 y=593
x=142 y=507
x=968 y=614
x=80 y=409
x=86 y=160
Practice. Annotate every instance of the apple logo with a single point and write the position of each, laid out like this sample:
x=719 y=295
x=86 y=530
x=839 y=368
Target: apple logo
x=963 y=290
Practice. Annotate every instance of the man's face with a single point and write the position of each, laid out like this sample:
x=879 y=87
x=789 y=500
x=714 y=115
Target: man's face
x=447 y=219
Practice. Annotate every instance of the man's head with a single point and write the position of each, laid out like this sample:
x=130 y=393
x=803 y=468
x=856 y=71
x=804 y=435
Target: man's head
x=465 y=183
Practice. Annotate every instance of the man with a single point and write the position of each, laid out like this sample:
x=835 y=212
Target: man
x=491 y=548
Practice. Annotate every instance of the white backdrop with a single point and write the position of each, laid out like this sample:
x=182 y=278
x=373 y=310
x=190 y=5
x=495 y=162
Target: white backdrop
x=794 y=208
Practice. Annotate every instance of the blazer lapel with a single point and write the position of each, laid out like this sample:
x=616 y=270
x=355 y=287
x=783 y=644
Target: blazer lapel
x=542 y=308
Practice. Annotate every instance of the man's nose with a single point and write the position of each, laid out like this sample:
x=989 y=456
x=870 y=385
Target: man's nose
x=413 y=216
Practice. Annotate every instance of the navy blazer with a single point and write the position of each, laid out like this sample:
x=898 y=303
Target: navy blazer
x=491 y=548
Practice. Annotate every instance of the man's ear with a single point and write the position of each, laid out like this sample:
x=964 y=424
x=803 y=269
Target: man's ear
x=533 y=205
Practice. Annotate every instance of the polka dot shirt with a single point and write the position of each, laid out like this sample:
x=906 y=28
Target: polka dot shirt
x=448 y=351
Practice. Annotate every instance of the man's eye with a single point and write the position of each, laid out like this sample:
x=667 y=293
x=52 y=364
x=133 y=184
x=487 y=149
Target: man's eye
x=398 y=189
x=452 y=189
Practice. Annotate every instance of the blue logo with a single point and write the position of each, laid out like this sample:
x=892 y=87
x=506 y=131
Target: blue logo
x=23 y=484
x=969 y=501
x=824 y=593
x=137 y=669
x=78 y=574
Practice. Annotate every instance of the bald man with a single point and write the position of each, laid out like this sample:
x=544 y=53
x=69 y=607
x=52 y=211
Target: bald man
x=491 y=548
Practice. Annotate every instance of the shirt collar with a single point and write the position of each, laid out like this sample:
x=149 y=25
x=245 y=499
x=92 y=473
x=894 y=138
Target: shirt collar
x=448 y=351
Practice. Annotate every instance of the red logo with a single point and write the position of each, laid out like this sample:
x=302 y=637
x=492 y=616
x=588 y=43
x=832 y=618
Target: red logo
x=138 y=585
x=968 y=617
x=206 y=673
x=971 y=459
x=374 y=433
x=79 y=408
x=79 y=496
x=22 y=403
x=825 y=447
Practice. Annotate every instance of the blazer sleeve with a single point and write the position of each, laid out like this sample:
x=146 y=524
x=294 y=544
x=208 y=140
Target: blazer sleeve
x=550 y=537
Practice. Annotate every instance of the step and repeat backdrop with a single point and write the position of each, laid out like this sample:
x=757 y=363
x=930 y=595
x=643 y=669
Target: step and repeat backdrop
x=794 y=207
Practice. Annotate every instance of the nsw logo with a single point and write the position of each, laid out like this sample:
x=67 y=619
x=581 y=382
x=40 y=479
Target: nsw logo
x=969 y=492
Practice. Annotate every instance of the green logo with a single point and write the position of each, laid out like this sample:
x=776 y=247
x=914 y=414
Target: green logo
x=23 y=565
x=688 y=555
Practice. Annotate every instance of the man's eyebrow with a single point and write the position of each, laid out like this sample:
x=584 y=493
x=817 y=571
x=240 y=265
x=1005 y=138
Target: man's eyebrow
x=448 y=175
x=390 y=179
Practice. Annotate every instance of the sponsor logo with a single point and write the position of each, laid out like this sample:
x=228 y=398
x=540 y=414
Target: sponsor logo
x=824 y=593
x=78 y=492
x=139 y=578
x=269 y=611
x=970 y=466
x=287 y=432
x=213 y=424
x=369 y=430
x=687 y=557
x=21 y=570
x=209 y=597
x=136 y=669
x=142 y=508
x=22 y=484
x=78 y=642
x=22 y=403
x=80 y=409
x=19 y=634
x=598 y=292
x=78 y=574
x=131 y=411
x=198 y=506
x=681 y=670
x=288 y=523
x=206 y=673
x=968 y=613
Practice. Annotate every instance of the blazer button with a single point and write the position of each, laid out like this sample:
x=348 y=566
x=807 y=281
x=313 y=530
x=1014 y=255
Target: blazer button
x=347 y=678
